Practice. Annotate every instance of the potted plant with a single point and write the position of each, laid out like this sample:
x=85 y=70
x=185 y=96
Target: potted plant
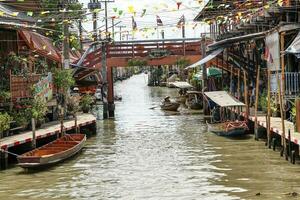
x=5 y=120
x=21 y=118
x=37 y=110
x=86 y=102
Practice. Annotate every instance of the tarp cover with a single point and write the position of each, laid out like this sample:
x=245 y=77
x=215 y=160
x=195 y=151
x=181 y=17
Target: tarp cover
x=294 y=48
x=206 y=59
x=223 y=99
x=182 y=85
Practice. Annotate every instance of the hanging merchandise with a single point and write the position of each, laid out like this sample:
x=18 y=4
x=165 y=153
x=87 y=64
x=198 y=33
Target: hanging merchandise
x=120 y=12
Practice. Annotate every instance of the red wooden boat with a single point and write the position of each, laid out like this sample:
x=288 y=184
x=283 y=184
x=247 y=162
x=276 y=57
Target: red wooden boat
x=53 y=152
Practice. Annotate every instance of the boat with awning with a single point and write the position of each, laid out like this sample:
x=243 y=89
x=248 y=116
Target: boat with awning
x=222 y=126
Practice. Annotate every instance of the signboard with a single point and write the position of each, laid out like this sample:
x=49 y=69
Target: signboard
x=272 y=51
x=44 y=88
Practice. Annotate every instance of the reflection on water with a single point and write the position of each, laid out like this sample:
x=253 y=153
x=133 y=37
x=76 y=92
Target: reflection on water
x=148 y=154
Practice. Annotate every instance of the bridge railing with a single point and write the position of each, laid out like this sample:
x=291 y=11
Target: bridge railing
x=145 y=48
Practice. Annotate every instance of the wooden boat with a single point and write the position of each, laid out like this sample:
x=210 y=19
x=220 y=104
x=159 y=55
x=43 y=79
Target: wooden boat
x=180 y=99
x=228 y=129
x=225 y=102
x=194 y=100
x=170 y=106
x=54 y=152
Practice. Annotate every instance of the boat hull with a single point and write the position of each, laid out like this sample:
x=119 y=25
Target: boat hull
x=215 y=128
x=170 y=106
x=52 y=153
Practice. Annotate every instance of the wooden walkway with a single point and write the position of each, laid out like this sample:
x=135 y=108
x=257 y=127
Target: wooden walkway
x=48 y=129
x=275 y=126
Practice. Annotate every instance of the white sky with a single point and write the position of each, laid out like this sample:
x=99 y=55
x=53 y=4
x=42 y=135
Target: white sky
x=165 y=9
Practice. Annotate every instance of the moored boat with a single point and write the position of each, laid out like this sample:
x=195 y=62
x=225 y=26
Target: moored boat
x=54 y=152
x=224 y=102
x=194 y=100
x=170 y=106
x=228 y=129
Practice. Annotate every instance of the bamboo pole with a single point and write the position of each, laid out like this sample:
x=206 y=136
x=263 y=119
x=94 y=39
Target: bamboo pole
x=269 y=110
x=283 y=141
x=256 y=102
x=231 y=77
x=246 y=96
x=297 y=104
x=282 y=48
x=239 y=83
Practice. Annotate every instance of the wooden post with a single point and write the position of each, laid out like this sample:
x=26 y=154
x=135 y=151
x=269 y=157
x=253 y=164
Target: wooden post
x=283 y=141
x=76 y=126
x=239 y=83
x=3 y=158
x=33 y=133
x=269 y=110
x=231 y=81
x=282 y=48
x=256 y=102
x=246 y=95
x=297 y=104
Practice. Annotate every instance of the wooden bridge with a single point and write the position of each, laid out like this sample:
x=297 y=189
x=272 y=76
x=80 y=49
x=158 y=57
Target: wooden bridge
x=118 y=54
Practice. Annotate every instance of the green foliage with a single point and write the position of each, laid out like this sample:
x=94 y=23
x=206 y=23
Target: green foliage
x=21 y=118
x=293 y=112
x=63 y=79
x=73 y=104
x=263 y=101
x=38 y=108
x=56 y=35
x=5 y=119
x=41 y=67
x=86 y=102
x=182 y=62
x=5 y=95
x=136 y=62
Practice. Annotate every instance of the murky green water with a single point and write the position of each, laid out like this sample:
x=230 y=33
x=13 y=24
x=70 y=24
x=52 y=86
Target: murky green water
x=149 y=154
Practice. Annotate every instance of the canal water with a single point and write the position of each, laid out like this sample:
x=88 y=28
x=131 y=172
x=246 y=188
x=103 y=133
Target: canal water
x=149 y=154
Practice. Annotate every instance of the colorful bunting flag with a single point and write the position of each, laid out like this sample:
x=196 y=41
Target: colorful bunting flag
x=158 y=21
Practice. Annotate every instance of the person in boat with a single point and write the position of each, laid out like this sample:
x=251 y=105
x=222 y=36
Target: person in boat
x=167 y=99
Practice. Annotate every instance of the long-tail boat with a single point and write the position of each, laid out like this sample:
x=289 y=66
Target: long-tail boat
x=223 y=102
x=54 y=152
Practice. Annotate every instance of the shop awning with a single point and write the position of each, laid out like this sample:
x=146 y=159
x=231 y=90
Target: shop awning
x=206 y=59
x=223 y=99
x=41 y=45
x=182 y=85
x=294 y=48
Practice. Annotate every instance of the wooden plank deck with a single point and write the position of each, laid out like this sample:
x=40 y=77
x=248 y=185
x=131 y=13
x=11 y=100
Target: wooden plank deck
x=275 y=126
x=48 y=129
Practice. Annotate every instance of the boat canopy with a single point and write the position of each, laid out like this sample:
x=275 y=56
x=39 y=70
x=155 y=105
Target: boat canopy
x=223 y=99
x=181 y=84
x=206 y=58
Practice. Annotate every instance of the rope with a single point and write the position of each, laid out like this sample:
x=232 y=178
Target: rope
x=4 y=151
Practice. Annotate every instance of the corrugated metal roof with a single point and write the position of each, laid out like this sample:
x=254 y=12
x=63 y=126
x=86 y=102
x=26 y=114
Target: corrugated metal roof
x=40 y=44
